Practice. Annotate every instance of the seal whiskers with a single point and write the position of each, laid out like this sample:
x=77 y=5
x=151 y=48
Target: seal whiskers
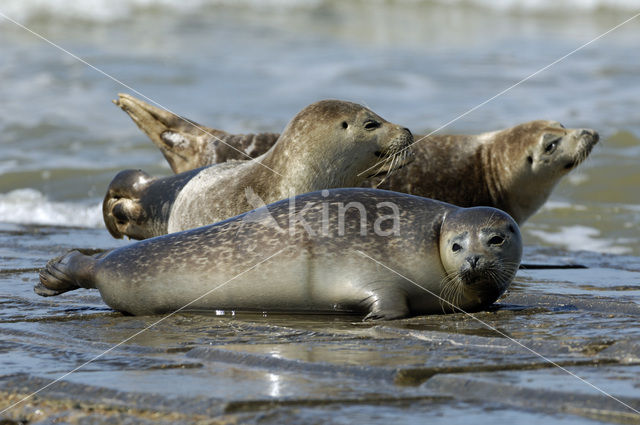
x=452 y=289
x=390 y=160
x=393 y=162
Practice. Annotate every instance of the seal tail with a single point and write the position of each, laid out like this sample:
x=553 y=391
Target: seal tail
x=68 y=272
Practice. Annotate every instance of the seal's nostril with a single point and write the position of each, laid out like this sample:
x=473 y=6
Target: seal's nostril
x=593 y=134
x=473 y=261
x=119 y=212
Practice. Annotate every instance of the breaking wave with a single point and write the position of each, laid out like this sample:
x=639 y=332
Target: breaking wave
x=29 y=206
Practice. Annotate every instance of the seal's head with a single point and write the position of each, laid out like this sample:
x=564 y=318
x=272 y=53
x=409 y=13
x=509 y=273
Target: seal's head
x=531 y=158
x=480 y=250
x=558 y=150
x=122 y=210
x=341 y=143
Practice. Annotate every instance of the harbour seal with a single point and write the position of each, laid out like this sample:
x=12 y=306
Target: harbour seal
x=383 y=254
x=514 y=169
x=328 y=144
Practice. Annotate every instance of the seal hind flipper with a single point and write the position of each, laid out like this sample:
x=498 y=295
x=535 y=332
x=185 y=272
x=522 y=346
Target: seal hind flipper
x=187 y=145
x=180 y=140
x=70 y=271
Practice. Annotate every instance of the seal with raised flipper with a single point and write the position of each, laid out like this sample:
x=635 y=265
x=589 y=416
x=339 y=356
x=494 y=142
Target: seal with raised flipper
x=382 y=254
x=514 y=169
x=187 y=145
x=329 y=144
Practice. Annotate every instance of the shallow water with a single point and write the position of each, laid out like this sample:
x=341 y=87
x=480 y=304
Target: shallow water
x=250 y=66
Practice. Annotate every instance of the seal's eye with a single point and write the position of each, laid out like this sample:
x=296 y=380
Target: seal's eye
x=550 y=142
x=456 y=247
x=371 y=125
x=496 y=240
x=551 y=147
x=344 y=124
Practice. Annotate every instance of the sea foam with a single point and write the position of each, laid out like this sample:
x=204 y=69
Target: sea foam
x=29 y=206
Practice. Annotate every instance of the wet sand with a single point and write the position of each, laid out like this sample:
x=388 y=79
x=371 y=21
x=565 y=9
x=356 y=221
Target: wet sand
x=201 y=368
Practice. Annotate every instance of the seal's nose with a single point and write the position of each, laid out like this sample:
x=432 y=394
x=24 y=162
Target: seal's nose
x=473 y=261
x=591 y=133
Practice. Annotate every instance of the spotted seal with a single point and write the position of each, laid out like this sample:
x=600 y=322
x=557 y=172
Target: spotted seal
x=383 y=254
x=330 y=143
x=514 y=170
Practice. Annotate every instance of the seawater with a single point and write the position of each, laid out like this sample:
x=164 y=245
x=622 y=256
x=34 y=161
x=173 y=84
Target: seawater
x=249 y=66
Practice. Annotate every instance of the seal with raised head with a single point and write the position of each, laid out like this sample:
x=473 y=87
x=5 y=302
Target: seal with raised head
x=328 y=144
x=382 y=254
x=514 y=169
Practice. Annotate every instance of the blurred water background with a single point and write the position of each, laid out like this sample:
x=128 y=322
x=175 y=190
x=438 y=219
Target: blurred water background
x=248 y=66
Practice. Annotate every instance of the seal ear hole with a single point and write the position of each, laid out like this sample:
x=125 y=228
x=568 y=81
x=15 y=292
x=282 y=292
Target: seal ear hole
x=456 y=247
x=344 y=124
x=530 y=159
x=512 y=229
x=496 y=240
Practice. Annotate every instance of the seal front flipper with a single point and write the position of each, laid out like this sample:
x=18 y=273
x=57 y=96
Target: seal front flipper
x=387 y=304
x=65 y=273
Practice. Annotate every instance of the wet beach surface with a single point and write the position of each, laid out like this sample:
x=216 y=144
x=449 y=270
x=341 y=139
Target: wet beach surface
x=196 y=367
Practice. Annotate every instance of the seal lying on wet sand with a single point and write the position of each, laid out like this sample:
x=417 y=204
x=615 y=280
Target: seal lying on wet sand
x=384 y=254
x=514 y=169
x=328 y=144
